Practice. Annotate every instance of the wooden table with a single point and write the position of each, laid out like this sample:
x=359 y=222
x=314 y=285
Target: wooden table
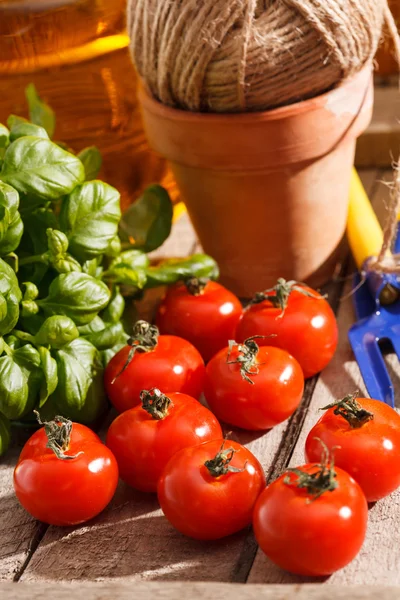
x=131 y=550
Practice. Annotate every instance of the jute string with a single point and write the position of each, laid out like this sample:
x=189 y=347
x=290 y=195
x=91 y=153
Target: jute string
x=243 y=55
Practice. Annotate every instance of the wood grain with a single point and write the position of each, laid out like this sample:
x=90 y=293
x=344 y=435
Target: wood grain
x=195 y=591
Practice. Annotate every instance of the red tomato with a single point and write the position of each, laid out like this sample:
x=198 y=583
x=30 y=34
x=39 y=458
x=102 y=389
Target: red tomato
x=204 y=314
x=65 y=491
x=307 y=534
x=253 y=388
x=208 y=491
x=366 y=436
x=166 y=362
x=301 y=320
x=144 y=438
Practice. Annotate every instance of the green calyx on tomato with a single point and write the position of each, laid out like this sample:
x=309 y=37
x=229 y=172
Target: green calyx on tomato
x=196 y=285
x=58 y=432
x=351 y=410
x=316 y=483
x=279 y=294
x=219 y=465
x=155 y=403
x=144 y=339
x=246 y=357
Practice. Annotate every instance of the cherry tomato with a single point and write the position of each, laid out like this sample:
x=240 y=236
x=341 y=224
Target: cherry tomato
x=208 y=491
x=166 y=362
x=144 y=438
x=314 y=529
x=69 y=482
x=299 y=318
x=366 y=436
x=202 y=312
x=253 y=388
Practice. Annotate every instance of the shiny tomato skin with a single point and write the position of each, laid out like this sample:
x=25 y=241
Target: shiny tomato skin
x=173 y=366
x=311 y=538
x=205 y=507
x=65 y=492
x=370 y=453
x=307 y=329
x=276 y=393
x=207 y=320
x=143 y=445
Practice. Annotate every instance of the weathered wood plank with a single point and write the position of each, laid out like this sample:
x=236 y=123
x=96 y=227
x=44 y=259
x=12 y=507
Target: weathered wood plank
x=194 y=591
x=379 y=560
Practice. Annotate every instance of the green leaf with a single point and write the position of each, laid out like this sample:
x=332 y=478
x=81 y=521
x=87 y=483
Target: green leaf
x=11 y=227
x=115 y=309
x=40 y=113
x=35 y=241
x=50 y=379
x=4 y=136
x=59 y=258
x=114 y=247
x=5 y=434
x=11 y=294
x=31 y=291
x=147 y=223
x=97 y=324
x=56 y=331
x=129 y=269
x=90 y=267
x=23 y=129
x=173 y=270
x=89 y=217
x=14 y=120
x=28 y=360
x=13 y=388
x=39 y=167
x=91 y=159
x=108 y=337
x=77 y=364
x=107 y=355
x=76 y=295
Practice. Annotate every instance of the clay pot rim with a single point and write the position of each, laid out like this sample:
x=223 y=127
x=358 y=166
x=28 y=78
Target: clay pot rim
x=282 y=112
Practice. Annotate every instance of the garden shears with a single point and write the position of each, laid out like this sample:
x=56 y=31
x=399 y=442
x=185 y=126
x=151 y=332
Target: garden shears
x=376 y=297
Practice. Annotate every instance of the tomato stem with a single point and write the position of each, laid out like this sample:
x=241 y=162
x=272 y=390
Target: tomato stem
x=247 y=356
x=219 y=465
x=351 y=410
x=279 y=294
x=144 y=339
x=155 y=403
x=319 y=482
x=58 y=434
x=196 y=285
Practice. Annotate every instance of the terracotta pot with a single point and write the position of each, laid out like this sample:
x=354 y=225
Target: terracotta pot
x=267 y=192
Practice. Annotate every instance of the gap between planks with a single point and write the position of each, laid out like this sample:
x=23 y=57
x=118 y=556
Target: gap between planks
x=131 y=539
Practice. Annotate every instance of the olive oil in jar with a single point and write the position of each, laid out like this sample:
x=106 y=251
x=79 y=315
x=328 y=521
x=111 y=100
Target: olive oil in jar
x=76 y=53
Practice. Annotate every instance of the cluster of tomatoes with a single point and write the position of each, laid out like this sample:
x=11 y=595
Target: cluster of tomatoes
x=311 y=520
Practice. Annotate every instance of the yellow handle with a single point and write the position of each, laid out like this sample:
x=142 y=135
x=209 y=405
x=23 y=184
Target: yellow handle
x=363 y=229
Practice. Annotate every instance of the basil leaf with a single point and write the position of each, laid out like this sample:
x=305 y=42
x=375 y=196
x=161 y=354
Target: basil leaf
x=11 y=227
x=58 y=256
x=23 y=129
x=76 y=295
x=35 y=241
x=5 y=434
x=80 y=391
x=4 y=136
x=107 y=355
x=28 y=360
x=173 y=270
x=134 y=259
x=40 y=113
x=114 y=247
x=13 y=388
x=11 y=296
x=108 y=337
x=97 y=324
x=14 y=120
x=50 y=377
x=56 y=331
x=147 y=223
x=39 y=167
x=129 y=269
x=89 y=217
x=91 y=159
x=115 y=308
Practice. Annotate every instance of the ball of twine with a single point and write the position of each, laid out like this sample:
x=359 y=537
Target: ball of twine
x=241 y=55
